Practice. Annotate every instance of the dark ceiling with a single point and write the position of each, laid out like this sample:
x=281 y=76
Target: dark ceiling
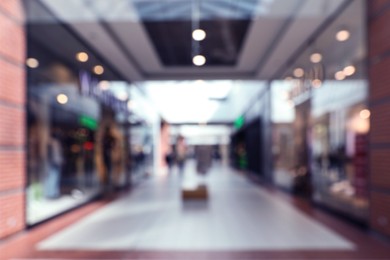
x=173 y=42
x=169 y=25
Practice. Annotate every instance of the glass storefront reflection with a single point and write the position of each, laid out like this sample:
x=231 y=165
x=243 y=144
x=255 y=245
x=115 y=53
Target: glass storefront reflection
x=141 y=137
x=339 y=133
x=322 y=152
x=67 y=114
x=61 y=159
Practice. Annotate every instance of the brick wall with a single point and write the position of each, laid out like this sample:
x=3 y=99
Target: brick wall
x=12 y=118
x=379 y=76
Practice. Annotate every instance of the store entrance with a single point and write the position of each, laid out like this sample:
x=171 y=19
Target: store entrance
x=246 y=146
x=254 y=144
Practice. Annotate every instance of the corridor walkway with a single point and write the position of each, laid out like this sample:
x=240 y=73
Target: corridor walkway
x=240 y=220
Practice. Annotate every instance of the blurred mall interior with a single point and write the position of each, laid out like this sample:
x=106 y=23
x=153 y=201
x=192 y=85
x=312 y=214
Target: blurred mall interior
x=194 y=129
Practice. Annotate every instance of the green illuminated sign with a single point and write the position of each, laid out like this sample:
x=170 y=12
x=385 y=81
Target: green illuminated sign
x=88 y=122
x=239 y=122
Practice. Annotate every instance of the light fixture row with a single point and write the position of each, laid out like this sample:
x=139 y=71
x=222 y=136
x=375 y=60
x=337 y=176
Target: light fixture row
x=199 y=35
x=33 y=63
x=346 y=72
x=316 y=57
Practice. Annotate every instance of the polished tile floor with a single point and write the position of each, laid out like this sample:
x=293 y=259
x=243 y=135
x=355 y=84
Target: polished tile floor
x=239 y=220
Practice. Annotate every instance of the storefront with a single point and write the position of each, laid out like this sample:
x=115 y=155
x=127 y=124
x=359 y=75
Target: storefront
x=70 y=116
x=339 y=141
x=328 y=91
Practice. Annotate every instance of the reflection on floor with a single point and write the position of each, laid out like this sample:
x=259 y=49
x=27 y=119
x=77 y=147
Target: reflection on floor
x=237 y=216
x=39 y=210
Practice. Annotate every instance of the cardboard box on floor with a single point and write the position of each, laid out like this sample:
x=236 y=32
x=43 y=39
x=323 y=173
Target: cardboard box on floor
x=197 y=192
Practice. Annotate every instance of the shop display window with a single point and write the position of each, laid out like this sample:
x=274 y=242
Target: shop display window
x=339 y=163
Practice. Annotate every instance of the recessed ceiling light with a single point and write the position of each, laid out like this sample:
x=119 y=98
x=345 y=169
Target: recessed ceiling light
x=365 y=114
x=298 y=72
x=339 y=75
x=82 y=56
x=316 y=83
x=343 y=35
x=198 y=35
x=104 y=85
x=316 y=57
x=62 y=99
x=32 y=63
x=98 y=70
x=349 y=70
x=199 y=60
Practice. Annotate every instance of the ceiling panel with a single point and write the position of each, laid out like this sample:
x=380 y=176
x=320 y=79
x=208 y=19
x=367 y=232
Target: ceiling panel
x=301 y=27
x=151 y=39
x=175 y=47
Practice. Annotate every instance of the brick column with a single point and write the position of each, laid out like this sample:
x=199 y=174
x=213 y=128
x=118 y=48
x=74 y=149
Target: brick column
x=379 y=77
x=12 y=117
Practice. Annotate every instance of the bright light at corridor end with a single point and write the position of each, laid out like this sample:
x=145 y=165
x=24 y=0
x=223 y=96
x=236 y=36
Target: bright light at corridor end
x=62 y=99
x=198 y=35
x=199 y=60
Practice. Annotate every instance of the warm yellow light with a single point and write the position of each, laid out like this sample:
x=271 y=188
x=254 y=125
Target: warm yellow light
x=343 y=35
x=349 y=70
x=316 y=83
x=32 y=63
x=82 y=56
x=62 y=99
x=365 y=114
x=198 y=35
x=199 y=60
x=288 y=78
x=298 y=72
x=316 y=58
x=98 y=70
x=104 y=85
x=339 y=75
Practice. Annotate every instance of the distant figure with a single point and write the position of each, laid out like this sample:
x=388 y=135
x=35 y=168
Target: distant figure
x=169 y=158
x=55 y=156
x=204 y=156
x=108 y=145
x=217 y=154
x=181 y=153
